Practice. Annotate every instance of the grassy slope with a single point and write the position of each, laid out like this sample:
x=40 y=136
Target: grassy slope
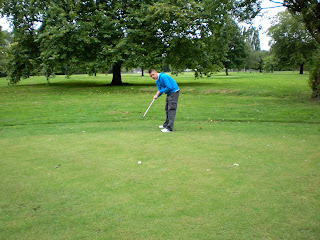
x=69 y=157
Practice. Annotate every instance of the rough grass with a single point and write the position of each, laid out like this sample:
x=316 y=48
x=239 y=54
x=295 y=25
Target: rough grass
x=69 y=156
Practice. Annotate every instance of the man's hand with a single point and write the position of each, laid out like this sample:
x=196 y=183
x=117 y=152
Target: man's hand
x=157 y=95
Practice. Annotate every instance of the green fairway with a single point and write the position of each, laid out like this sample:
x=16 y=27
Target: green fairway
x=242 y=163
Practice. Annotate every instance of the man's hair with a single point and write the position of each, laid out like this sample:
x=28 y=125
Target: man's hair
x=151 y=70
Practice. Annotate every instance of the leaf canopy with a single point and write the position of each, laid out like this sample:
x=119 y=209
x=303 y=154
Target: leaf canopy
x=93 y=35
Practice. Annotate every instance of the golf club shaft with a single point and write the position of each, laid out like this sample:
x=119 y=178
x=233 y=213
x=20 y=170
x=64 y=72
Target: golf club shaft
x=148 y=108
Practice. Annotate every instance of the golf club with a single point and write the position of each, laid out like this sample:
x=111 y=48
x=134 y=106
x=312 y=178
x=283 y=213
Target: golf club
x=148 y=108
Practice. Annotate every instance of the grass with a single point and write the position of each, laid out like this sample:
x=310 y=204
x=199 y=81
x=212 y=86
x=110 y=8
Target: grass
x=69 y=154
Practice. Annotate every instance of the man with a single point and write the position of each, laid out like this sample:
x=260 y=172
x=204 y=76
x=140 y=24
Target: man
x=167 y=85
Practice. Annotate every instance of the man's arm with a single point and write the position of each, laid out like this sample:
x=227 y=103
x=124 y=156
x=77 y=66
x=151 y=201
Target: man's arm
x=157 y=95
x=167 y=83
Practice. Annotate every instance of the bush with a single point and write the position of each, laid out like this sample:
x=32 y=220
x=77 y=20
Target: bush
x=3 y=74
x=314 y=77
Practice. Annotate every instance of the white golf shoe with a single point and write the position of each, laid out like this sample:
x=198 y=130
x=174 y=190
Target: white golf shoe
x=161 y=127
x=165 y=130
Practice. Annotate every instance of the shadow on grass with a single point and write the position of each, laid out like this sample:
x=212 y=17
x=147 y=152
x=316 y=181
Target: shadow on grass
x=67 y=84
x=94 y=84
x=78 y=84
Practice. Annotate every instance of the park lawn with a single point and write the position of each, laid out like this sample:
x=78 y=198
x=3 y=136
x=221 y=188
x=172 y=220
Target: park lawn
x=69 y=154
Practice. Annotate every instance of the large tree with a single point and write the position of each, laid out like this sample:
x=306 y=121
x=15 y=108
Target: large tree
x=92 y=35
x=254 y=58
x=2 y=52
x=308 y=11
x=291 y=42
x=5 y=40
x=235 y=53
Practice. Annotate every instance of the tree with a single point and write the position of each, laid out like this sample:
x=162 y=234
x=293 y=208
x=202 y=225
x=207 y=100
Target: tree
x=291 y=42
x=308 y=11
x=254 y=58
x=269 y=63
x=69 y=35
x=2 y=53
x=5 y=40
x=236 y=47
x=251 y=37
x=314 y=77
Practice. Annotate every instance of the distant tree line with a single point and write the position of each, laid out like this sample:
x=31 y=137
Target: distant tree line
x=95 y=35
x=91 y=36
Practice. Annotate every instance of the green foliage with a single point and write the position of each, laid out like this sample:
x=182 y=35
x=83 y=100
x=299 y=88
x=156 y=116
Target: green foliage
x=314 y=77
x=307 y=11
x=251 y=37
x=254 y=57
x=235 y=52
x=24 y=62
x=5 y=40
x=291 y=42
x=2 y=53
x=269 y=63
x=73 y=36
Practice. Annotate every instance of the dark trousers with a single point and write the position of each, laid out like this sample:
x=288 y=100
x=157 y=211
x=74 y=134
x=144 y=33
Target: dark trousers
x=171 y=108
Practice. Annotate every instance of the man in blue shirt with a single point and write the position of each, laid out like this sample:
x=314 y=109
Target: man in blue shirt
x=167 y=85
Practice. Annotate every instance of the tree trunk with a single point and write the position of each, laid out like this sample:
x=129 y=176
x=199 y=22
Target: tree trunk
x=48 y=80
x=116 y=71
x=301 y=68
x=142 y=72
x=316 y=90
x=227 y=72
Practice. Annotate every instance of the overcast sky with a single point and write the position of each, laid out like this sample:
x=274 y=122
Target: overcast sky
x=270 y=9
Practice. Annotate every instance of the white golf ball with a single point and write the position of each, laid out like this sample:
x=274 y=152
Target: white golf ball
x=139 y=162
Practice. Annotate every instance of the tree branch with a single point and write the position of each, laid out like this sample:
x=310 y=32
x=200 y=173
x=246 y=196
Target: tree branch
x=281 y=5
x=276 y=2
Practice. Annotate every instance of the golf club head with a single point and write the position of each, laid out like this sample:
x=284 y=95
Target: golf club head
x=142 y=116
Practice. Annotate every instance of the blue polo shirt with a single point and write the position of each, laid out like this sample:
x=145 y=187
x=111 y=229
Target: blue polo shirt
x=166 y=84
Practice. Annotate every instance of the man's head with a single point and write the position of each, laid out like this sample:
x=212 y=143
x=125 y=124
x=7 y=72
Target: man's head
x=153 y=73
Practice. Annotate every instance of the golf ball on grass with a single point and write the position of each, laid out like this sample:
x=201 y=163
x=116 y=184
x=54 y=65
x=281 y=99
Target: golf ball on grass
x=139 y=162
